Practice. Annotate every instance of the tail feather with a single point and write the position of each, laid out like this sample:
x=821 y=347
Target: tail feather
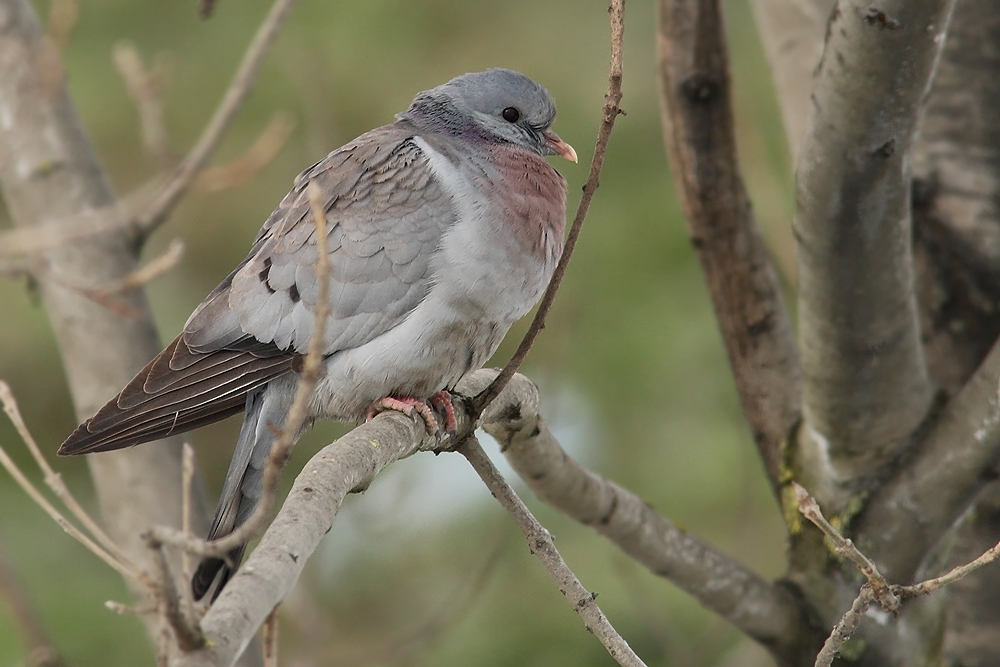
x=266 y=409
x=177 y=391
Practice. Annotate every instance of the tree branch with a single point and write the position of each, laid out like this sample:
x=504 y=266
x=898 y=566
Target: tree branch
x=908 y=513
x=761 y=610
x=542 y=546
x=698 y=128
x=792 y=35
x=48 y=170
x=184 y=174
x=865 y=380
x=610 y=112
x=347 y=465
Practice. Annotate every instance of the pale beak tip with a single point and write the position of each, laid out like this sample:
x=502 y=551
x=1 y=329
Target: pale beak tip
x=560 y=146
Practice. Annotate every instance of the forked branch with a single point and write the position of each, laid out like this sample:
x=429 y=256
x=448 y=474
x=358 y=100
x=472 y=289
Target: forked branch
x=698 y=129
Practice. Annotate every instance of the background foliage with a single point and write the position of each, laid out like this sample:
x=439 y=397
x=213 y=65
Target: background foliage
x=631 y=366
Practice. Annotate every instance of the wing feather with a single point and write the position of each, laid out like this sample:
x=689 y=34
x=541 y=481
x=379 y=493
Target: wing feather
x=386 y=216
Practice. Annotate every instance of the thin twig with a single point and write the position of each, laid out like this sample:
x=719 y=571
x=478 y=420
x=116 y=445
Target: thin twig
x=144 y=88
x=245 y=167
x=761 y=610
x=297 y=413
x=55 y=482
x=124 y=568
x=608 y=117
x=189 y=635
x=881 y=590
x=541 y=545
x=845 y=627
x=148 y=272
x=187 y=483
x=955 y=574
x=154 y=214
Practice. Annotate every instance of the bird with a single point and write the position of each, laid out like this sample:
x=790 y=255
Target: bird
x=443 y=229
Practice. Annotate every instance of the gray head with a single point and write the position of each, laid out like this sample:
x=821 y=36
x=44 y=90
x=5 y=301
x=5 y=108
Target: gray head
x=498 y=105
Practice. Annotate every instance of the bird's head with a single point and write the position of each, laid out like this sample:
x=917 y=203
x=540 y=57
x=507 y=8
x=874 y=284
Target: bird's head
x=498 y=105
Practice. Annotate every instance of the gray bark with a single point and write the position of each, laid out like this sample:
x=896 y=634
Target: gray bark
x=49 y=171
x=866 y=386
x=792 y=33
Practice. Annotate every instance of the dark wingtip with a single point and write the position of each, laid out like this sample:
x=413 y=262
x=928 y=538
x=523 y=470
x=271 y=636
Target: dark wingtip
x=76 y=443
x=205 y=576
x=210 y=569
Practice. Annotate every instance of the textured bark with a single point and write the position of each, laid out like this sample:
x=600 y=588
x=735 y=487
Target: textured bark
x=347 y=465
x=698 y=128
x=866 y=387
x=48 y=172
x=792 y=33
x=973 y=615
x=763 y=611
x=911 y=511
x=957 y=250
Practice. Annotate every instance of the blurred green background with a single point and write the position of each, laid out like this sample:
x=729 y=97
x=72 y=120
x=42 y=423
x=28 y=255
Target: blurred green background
x=425 y=568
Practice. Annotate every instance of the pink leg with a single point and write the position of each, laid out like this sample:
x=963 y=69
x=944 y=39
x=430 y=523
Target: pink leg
x=442 y=401
x=408 y=406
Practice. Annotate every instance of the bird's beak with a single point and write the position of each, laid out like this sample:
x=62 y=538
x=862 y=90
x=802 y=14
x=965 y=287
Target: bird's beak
x=553 y=141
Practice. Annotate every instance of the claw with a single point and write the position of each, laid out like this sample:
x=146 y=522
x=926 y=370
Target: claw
x=442 y=402
x=408 y=406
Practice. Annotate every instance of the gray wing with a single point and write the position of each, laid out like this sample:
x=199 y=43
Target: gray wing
x=385 y=218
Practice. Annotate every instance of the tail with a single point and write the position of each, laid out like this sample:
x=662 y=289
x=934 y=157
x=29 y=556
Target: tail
x=179 y=390
x=266 y=409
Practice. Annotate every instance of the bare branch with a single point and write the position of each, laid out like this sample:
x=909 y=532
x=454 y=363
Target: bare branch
x=541 y=545
x=347 y=465
x=123 y=567
x=866 y=387
x=881 y=591
x=188 y=634
x=244 y=168
x=792 y=36
x=185 y=173
x=55 y=482
x=845 y=627
x=698 y=128
x=145 y=89
x=57 y=176
x=762 y=611
x=953 y=575
x=609 y=114
x=908 y=513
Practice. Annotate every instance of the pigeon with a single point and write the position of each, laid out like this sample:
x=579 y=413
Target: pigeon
x=443 y=229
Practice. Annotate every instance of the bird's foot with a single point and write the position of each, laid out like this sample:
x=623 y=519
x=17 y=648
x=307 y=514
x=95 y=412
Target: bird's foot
x=408 y=406
x=442 y=402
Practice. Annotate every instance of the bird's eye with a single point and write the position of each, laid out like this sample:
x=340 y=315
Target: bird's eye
x=511 y=115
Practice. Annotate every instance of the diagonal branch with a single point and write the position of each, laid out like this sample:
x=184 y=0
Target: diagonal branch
x=792 y=36
x=345 y=466
x=866 y=386
x=184 y=174
x=907 y=515
x=610 y=112
x=542 y=546
x=698 y=127
x=56 y=174
x=763 y=611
